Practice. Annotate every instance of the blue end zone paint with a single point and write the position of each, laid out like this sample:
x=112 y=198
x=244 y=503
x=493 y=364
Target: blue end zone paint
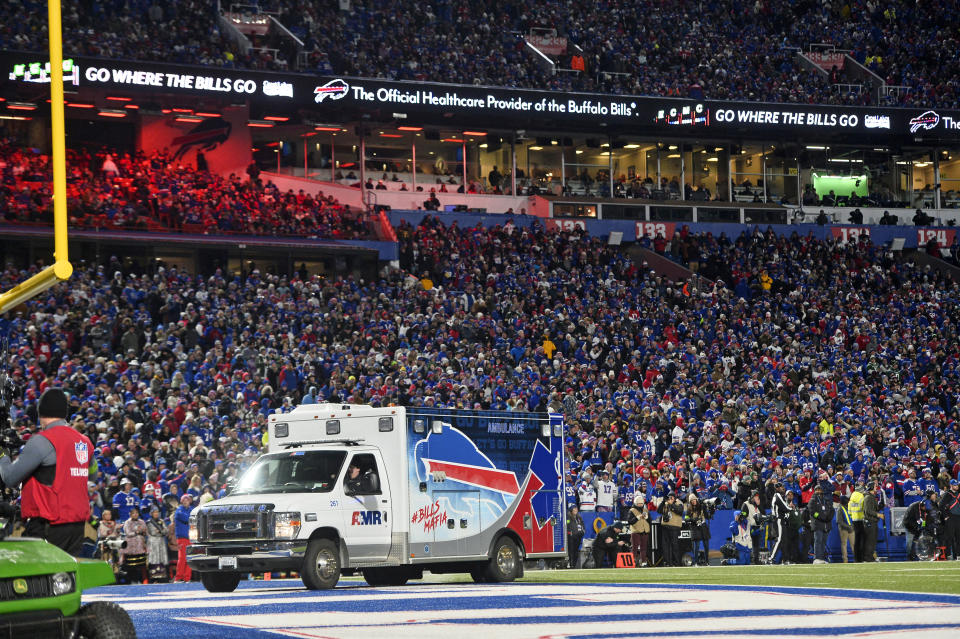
x=160 y=621
x=823 y=631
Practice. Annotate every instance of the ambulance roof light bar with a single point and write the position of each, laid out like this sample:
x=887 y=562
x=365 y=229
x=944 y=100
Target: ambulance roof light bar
x=348 y=442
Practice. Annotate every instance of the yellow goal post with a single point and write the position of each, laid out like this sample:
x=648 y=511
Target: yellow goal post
x=61 y=268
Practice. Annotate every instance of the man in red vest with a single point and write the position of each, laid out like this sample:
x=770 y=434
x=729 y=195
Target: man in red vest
x=54 y=467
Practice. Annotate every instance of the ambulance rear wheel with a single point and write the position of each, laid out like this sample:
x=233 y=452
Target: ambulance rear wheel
x=321 y=565
x=504 y=562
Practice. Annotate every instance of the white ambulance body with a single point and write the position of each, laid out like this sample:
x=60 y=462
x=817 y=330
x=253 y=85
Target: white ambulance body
x=433 y=489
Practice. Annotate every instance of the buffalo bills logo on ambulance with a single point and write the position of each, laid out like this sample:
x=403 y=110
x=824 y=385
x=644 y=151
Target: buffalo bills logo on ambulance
x=927 y=120
x=83 y=455
x=453 y=454
x=335 y=89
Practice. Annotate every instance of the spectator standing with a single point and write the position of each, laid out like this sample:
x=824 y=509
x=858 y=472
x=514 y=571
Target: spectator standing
x=638 y=518
x=847 y=533
x=950 y=508
x=606 y=493
x=494 y=178
x=157 y=557
x=124 y=502
x=587 y=495
x=754 y=511
x=575 y=531
x=135 y=552
x=182 y=520
x=821 y=515
x=871 y=516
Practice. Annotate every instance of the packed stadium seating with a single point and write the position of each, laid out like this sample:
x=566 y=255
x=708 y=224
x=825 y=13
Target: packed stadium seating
x=719 y=49
x=153 y=192
x=799 y=355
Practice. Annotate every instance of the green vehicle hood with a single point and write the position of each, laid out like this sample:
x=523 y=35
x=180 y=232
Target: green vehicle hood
x=26 y=556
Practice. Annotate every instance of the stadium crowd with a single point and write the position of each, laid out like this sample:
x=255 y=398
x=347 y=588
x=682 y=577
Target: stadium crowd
x=718 y=49
x=803 y=362
x=155 y=191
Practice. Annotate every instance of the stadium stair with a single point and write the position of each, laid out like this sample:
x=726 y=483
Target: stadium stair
x=659 y=264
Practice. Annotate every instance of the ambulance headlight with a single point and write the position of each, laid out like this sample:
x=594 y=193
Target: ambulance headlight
x=286 y=525
x=193 y=535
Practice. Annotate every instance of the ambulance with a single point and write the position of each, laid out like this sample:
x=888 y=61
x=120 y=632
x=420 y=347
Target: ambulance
x=389 y=492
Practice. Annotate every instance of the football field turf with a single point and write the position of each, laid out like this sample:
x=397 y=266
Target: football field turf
x=941 y=577
x=571 y=604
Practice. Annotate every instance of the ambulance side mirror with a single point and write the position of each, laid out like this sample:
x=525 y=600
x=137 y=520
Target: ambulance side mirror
x=370 y=483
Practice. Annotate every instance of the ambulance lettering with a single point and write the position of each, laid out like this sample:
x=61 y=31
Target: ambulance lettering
x=367 y=518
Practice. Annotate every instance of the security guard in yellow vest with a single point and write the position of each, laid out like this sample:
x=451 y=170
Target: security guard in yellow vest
x=855 y=510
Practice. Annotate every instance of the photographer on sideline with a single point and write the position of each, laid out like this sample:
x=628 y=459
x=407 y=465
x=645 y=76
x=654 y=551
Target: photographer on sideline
x=54 y=467
x=671 y=518
x=608 y=543
x=696 y=516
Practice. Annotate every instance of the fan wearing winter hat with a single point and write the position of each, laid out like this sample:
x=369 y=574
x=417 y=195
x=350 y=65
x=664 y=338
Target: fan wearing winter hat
x=53 y=467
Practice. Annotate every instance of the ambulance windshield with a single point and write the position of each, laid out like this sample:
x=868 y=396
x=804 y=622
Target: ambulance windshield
x=292 y=471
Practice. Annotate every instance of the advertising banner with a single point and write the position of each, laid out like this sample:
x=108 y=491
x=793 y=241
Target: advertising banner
x=341 y=99
x=551 y=45
x=827 y=60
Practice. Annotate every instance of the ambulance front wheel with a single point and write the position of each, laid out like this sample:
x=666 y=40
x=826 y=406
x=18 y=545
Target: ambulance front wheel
x=504 y=564
x=321 y=565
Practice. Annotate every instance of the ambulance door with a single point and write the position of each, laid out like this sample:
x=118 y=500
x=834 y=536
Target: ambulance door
x=368 y=509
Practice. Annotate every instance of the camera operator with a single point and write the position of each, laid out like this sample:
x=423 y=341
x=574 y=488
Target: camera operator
x=608 y=543
x=108 y=540
x=671 y=518
x=918 y=520
x=638 y=517
x=781 y=507
x=696 y=517
x=740 y=531
x=54 y=467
